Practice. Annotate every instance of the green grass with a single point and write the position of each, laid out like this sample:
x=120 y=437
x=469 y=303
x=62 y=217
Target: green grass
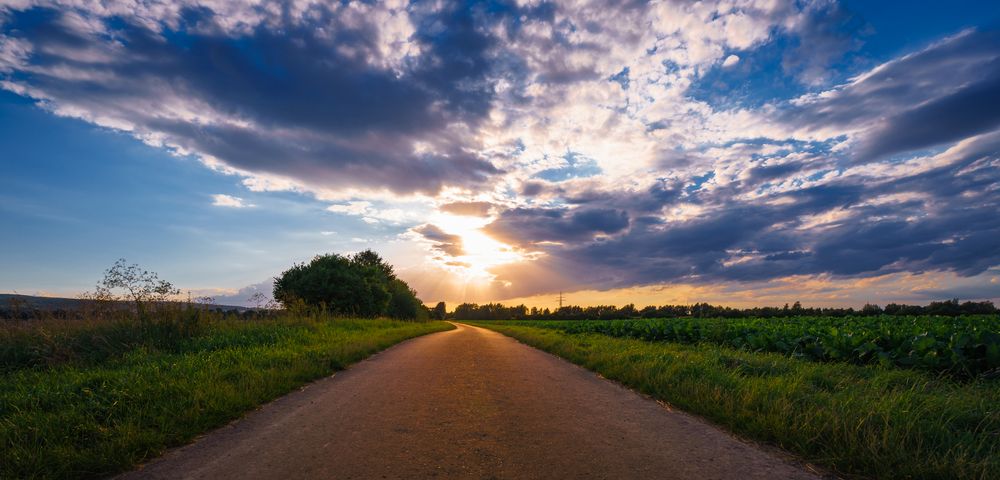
x=855 y=420
x=94 y=399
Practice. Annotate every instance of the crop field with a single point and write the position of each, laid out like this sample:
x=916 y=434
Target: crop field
x=880 y=397
x=964 y=346
x=90 y=398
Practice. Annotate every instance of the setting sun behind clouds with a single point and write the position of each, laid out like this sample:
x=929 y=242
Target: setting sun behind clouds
x=478 y=252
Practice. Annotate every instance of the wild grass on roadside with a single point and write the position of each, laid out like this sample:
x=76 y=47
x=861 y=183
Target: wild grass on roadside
x=87 y=400
x=100 y=336
x=861 y=420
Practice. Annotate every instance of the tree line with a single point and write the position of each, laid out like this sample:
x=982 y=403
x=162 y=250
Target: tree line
x=498 y=311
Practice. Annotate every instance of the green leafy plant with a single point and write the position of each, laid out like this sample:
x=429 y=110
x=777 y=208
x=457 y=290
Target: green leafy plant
x=963 y=346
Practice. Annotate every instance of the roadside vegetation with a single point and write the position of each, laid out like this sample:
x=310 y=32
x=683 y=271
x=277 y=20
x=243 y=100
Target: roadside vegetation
x=137 y=373
x=850 y=415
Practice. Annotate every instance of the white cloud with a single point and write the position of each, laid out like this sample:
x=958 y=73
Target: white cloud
x=398 y=212
x=229 y=201
x=730 y=61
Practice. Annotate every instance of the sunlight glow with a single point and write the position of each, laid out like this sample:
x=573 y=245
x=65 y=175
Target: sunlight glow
x=480 y=252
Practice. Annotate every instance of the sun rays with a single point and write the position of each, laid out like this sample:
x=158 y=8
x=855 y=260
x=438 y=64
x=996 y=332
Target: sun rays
x=477 y=252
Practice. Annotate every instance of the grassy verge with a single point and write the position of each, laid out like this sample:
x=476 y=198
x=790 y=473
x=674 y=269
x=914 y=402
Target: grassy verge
x=855 y=420
x=82 y=415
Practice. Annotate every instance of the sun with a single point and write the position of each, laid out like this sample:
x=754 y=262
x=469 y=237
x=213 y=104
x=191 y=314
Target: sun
x=480 y=252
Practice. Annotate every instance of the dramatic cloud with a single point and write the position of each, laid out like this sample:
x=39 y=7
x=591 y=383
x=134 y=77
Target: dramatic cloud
x=561 y=145
x=936 y=213
x=938 y=95
x=523 y=226
x=319 y=96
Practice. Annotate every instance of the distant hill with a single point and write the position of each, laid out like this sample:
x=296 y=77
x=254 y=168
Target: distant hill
x=38 y=303
x=31 y=302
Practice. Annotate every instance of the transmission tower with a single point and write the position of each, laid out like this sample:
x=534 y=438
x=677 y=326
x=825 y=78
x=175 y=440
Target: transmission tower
x=560 y=299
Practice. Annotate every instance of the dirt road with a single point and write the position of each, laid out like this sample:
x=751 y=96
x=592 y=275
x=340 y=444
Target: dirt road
x=469 y=403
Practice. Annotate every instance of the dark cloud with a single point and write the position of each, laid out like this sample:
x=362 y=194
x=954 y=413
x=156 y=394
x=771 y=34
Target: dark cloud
x=521 y=226
x=314 y=99
x=938 y=95
x=445 y=243
x=760 y=174
x=971 y=110
x=531 y=189
x=475 y=209
x=662 y=193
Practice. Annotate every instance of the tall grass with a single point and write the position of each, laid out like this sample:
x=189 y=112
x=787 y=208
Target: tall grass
x=855 y=420
x=92 y=398
x=100 y=336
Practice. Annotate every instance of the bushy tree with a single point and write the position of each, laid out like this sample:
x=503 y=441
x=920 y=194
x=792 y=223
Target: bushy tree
x=362 y=285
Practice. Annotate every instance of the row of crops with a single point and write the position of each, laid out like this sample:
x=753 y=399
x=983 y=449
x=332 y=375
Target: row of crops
x=965 y=346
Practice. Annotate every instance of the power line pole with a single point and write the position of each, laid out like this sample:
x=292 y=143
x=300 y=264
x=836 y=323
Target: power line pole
x=560 y=299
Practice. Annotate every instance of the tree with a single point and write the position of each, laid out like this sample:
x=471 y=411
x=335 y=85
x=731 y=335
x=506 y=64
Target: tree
x=403 y=301
x=124 y=282
x=370 y=259
x=333 y=283
x=440 y=311
x=947 y=307
x=871 y=309
x=362 y=284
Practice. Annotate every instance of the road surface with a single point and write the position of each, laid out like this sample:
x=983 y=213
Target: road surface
x=468 y=403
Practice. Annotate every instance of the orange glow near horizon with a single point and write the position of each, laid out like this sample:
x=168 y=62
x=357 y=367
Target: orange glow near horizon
x=812 y=291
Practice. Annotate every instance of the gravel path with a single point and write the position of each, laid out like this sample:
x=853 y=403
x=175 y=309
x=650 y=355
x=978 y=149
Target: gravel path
x=468 y=403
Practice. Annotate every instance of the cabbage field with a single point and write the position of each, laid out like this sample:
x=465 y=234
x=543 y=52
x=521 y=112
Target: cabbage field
x=963 y=346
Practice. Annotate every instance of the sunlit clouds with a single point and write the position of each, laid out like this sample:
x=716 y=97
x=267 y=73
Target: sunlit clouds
x=465 y=250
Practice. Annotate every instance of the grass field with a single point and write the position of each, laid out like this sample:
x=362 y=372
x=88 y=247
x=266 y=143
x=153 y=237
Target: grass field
x=89 y=399
x=868 y=420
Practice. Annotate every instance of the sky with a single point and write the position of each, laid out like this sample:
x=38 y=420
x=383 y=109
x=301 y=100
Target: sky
x=743 y=152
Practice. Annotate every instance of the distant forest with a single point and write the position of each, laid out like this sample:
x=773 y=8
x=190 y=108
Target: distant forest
x=497 y=311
